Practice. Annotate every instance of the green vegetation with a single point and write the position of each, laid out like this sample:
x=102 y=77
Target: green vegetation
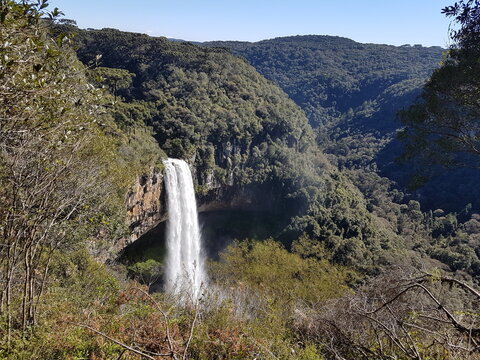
x=351 y=94
x=198 y=99
x=349 y=91
x=444 y=124
x=62 y=181
x=59 y=178
x=239 y=130
x=328 y=76
x=283 y=276
x=350 y=273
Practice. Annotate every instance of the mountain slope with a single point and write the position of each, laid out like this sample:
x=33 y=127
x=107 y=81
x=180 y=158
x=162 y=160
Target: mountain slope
x=327 y=76
x=241 y=131
x=351 y=93
x=347 y=89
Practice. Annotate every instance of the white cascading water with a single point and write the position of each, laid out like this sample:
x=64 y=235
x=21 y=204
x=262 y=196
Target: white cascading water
x=184 y=271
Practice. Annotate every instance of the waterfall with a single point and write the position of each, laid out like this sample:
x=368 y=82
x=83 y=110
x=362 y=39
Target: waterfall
x=184 y=271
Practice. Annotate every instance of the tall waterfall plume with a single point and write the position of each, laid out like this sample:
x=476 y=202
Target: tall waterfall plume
x=185 y=268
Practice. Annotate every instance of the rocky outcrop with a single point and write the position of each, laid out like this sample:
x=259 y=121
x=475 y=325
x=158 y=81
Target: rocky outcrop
x=252 y=197
x=146 y=201
x=145 y=206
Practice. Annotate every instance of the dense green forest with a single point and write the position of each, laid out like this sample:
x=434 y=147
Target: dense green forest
x=331 y=76
x=351 y=94
x=210 y=106
x=355 y=268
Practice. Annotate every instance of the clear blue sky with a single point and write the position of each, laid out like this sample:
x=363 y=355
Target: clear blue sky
x=395 y=22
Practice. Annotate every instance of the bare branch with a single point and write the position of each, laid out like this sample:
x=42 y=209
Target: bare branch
x=129 y=348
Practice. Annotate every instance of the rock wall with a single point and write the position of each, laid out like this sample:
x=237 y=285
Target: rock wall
x=146 y=201
x=146 y=206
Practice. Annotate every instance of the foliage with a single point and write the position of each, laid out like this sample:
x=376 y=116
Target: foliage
x=284 y=277
x=69 y=151
x=327 y=75
x=91 y=314
x=467 y=15
x=55 y=157
x=62 y=180
x=187 y=89
x=354 y=92
x=402 y=314
x=444 y=124
x=249 y=311
x=113 y=79
x=239 y=130
x=441 y=130
x=349 y=91
x=146 y=272
x=205 y=105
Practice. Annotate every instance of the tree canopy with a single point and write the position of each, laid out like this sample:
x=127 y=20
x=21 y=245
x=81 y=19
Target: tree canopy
x=445 y=124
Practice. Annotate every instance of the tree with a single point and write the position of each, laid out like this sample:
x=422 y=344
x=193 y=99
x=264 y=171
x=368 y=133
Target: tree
x=56 y=155
x=467 y=14
x=114 y=79
x=401 y=314
x=445 y=124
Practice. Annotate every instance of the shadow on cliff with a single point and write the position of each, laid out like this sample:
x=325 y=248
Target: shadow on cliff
x=219 y=229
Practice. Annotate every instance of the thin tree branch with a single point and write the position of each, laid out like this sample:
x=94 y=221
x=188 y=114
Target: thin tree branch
x=129 y=348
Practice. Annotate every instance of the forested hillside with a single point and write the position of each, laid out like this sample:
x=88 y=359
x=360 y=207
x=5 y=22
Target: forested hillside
x=209 y=106
x=352 y=94
x=241 y=130
x=330 y=77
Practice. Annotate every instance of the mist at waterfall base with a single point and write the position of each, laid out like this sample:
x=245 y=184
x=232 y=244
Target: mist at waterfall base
x=185 y=263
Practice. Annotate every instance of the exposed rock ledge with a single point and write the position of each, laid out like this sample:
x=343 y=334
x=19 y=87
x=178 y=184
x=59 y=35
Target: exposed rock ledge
x=146 y=202
x=145 y=206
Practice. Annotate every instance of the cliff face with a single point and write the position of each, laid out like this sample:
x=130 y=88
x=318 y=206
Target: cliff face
x=146 y=202
x=146 y=206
